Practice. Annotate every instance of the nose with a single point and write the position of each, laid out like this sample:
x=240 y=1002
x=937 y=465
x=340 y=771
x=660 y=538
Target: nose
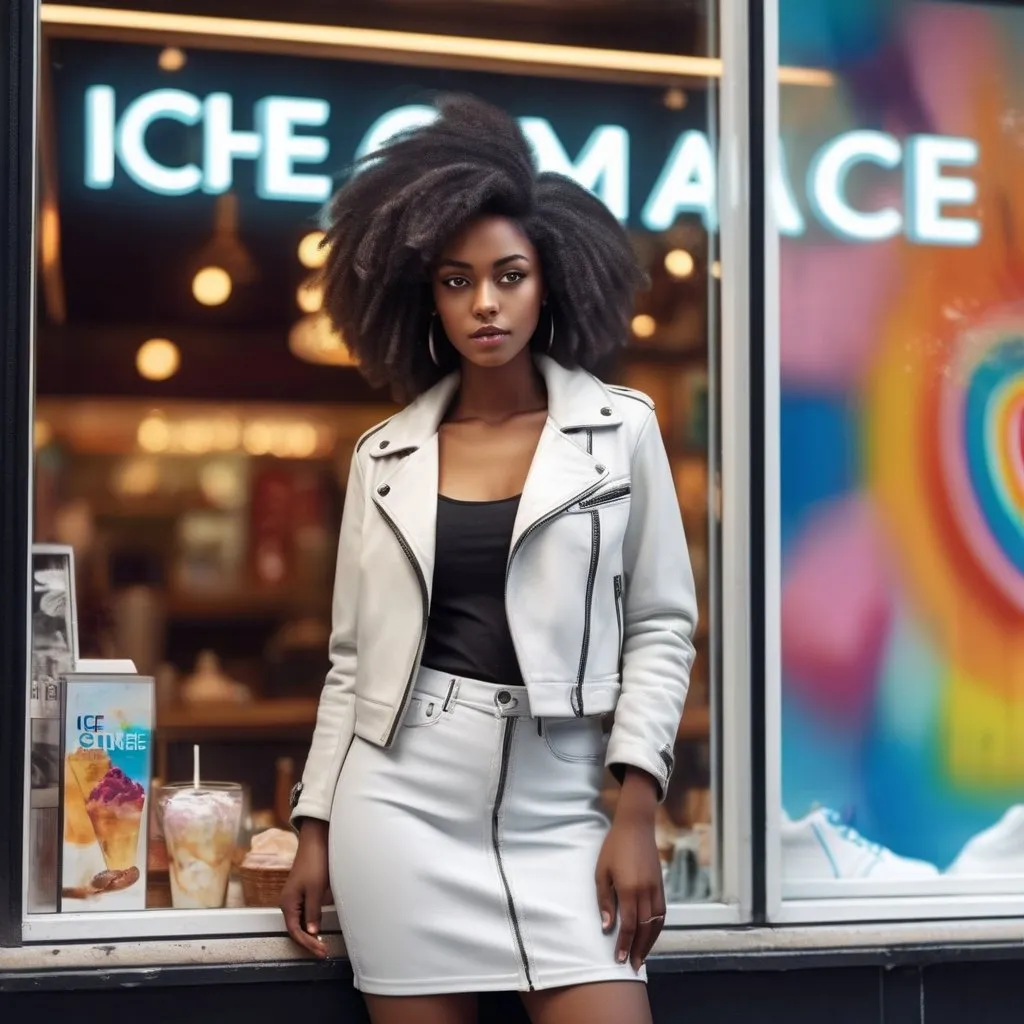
x=485 y=301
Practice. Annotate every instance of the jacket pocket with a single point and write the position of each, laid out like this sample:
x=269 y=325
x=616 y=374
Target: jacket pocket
x=616 y=493
x=576 y=740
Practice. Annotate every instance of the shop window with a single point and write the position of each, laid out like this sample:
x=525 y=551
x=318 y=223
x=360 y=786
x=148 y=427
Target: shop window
x=195 y=415
x=902 y=576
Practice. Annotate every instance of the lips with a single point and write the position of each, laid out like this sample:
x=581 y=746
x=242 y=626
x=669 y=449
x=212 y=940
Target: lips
x=489 y=332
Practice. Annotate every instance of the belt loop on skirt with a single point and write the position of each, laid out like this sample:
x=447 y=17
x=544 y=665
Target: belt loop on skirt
x=452 y=695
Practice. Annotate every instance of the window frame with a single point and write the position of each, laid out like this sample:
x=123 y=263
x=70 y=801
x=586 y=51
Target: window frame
x=19 y=47
x=732 y=651
x=913 y=907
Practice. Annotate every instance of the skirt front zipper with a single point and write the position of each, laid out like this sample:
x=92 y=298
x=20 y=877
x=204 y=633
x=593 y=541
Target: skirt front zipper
x=506 y=750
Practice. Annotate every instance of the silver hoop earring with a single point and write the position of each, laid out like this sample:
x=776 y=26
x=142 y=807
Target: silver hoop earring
x=430 y=342
x=551 y=336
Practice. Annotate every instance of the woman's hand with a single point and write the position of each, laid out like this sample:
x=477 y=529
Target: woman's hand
x=629 y=871
x=303 y=894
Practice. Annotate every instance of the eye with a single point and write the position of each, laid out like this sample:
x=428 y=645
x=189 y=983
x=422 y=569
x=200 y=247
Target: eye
x=513 y=277
x=454 y=282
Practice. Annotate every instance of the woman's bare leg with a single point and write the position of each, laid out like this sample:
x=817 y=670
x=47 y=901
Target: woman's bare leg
x=605 y=1002
x=447 y=1009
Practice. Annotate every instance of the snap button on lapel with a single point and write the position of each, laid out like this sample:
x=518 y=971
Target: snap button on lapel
x=606 y=411
x=384 y=490
x=383 y=445
x=599 y=468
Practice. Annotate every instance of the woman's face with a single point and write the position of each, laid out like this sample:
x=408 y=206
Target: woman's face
x=488 y=291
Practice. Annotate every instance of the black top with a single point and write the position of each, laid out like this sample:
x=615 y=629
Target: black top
x=467 y=633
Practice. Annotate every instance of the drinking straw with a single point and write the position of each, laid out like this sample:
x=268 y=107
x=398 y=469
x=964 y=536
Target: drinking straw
x=195 y=766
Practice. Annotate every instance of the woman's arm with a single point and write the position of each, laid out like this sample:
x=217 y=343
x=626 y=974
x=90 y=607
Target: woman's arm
x=335 y=720
x=303 y=893
x=660 y=616
x=660 y=609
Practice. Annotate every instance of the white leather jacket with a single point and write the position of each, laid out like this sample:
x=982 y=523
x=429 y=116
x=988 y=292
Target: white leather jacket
x=599 y=592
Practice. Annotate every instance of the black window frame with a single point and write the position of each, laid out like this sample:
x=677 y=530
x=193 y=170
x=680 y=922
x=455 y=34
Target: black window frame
x=19 y=21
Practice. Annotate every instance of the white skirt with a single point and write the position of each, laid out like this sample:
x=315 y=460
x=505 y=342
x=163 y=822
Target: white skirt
x=462 y=859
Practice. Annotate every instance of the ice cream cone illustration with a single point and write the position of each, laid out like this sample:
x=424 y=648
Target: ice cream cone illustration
x=84 y=771
x=115 y=809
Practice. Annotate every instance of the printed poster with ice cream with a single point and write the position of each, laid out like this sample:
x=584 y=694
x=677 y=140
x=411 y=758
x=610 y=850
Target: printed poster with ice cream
x=106 y=768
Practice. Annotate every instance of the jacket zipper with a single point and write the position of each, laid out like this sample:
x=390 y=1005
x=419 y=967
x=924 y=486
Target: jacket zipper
x=535 y=525
x=506 y=746
x=600 y=499
x=425 y=600
x=617 y=584
x=595 y=555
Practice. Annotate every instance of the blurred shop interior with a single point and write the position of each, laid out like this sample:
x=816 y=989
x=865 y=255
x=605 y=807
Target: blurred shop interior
x=195 y=414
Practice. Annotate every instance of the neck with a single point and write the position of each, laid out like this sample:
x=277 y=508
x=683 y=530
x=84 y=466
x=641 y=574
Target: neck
x=495 y=394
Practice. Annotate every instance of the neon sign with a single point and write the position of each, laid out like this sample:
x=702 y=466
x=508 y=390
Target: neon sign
x=290 y=159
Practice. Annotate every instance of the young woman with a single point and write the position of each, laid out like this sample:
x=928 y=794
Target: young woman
x=511 y=571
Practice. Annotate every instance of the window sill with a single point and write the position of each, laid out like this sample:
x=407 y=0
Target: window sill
x=248 y=921
x=159 y=924
x=220 y=960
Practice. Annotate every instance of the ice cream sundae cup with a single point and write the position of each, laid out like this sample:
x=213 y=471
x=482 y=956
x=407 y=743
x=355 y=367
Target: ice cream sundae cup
x=85 y=771
x=115 y=810
x=200 y=825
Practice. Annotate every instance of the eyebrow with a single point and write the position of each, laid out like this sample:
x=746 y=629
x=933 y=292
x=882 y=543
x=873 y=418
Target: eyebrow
x=497 y=263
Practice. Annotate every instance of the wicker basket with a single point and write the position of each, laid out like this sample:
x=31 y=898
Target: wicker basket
x=262 y=886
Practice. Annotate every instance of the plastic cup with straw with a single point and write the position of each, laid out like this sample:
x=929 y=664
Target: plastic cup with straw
x=200 y=823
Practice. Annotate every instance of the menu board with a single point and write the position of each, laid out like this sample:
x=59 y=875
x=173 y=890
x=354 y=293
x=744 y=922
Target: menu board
x=106 y=772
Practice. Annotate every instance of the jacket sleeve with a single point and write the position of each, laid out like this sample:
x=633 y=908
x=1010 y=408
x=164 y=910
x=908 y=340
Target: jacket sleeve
x=660 y=615
x=335 y=720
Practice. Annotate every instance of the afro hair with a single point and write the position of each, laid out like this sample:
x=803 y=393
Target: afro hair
x=387 y=225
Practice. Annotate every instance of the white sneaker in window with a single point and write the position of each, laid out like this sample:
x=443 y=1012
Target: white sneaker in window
x=998 y=850
x=822 y=846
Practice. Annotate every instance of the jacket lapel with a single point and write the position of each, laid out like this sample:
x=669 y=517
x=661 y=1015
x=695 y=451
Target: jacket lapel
x=410 y=502
x=561 y=473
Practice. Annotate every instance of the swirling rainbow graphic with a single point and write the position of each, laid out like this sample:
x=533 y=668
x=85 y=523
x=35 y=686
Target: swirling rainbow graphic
x=903 y=592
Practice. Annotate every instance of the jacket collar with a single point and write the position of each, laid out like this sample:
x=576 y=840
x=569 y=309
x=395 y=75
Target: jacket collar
x=576 y=401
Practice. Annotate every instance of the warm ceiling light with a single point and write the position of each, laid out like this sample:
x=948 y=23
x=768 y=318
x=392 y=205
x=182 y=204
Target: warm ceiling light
x=223 y=484
x=310 y=253
x=154 y=434
x=644 y=325
x=716 y=269
x=196 y=437
x=137 y=478
x=171 y=58
x=224 y=252
x=679 y=263
x=368 y=43
x=258 y=437
x=227 y=434
x=49 y=235
x=212 y=286
x=674 y=99
x=300 y=440
x=43 y=434
x=314 y=340
x=157 y=359
x=310 y=296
